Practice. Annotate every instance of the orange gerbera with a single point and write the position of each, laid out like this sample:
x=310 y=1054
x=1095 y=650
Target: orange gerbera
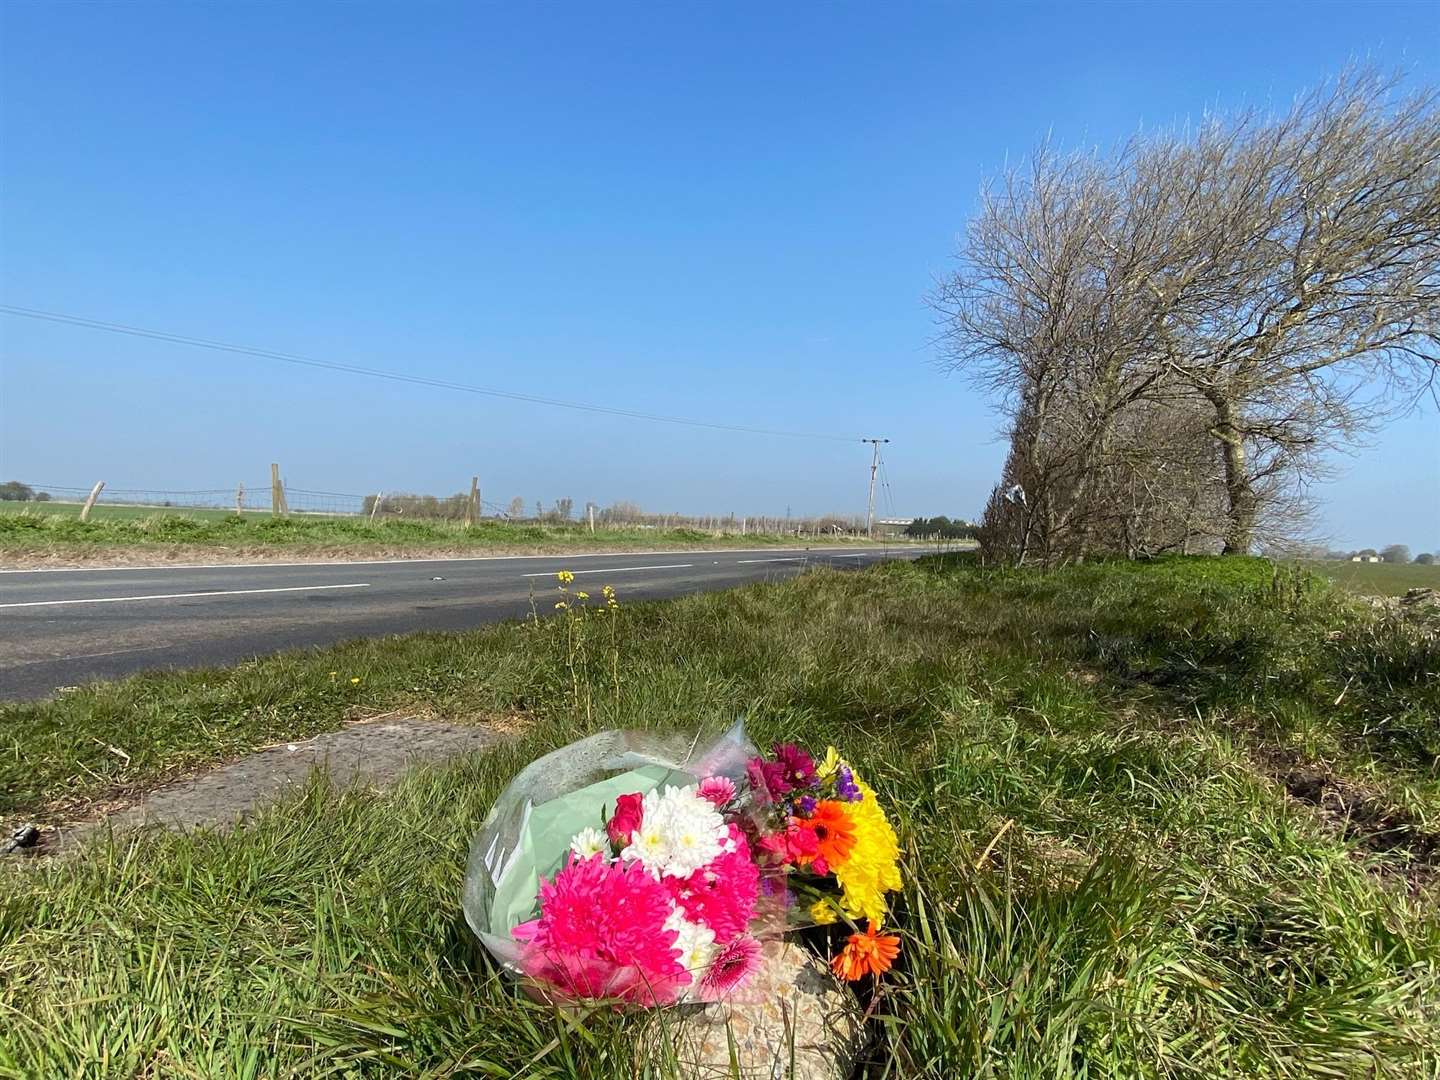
x=864 y=954
x=834 y=834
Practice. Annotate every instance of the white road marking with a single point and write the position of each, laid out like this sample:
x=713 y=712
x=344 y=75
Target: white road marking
x=183 y=595
x=616 y=569
x=796 y=558
x=421 y=562
x=89 y=655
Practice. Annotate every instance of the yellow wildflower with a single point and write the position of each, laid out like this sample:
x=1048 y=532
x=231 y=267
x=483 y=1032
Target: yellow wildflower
x=873 y=868
x=354 y=680
x=565 y=577
x=583 y=595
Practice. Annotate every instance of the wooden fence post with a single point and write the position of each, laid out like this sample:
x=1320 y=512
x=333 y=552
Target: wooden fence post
x=90 y=500
x=278 y=506
x=240 y=499
x=375 y=506
x=590 y=509
x=472 y=506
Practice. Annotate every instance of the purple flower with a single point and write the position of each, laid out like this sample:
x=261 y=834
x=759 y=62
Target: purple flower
x=805 y=804
x=845 y=785
x=798 y=766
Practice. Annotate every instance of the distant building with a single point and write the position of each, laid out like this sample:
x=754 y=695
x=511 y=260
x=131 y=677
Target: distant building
x=1365 y=558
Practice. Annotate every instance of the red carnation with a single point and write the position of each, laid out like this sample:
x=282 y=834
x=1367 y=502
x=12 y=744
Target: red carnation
x=796 y=844
x=629 y=810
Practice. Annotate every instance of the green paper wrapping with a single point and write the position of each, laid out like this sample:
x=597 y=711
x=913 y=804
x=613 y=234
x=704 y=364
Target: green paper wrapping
x=528 y=830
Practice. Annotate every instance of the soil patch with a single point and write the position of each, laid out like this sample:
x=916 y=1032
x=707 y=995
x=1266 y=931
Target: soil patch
x=1361 y=816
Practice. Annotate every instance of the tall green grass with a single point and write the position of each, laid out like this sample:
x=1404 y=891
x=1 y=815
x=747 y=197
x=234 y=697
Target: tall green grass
x=1104 y=874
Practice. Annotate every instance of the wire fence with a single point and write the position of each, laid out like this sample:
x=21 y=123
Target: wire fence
x=259 y=498
x=193 y=498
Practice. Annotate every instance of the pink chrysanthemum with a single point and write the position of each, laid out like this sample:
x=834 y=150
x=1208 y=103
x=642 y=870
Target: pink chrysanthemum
x=601 y=933
x=721 y=894
x=734 y=963
x=717 y=789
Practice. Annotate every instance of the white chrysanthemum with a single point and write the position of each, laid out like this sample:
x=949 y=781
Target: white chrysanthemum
x=695 y=942
x=679 y=833
x=590 y=841
x=650 y=844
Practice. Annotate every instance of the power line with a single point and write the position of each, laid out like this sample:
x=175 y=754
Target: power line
x=418 y=380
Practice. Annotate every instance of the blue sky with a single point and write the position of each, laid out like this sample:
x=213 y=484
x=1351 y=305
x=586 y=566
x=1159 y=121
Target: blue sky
x=729 y=212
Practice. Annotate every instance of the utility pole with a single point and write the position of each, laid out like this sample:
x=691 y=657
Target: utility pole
x=874 y=468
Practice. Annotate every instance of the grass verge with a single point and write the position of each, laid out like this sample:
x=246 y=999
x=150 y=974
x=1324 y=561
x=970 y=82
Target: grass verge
x=1108 y=872
x=35 y=538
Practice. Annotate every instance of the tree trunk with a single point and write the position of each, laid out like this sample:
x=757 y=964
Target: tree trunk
x=1243 y=503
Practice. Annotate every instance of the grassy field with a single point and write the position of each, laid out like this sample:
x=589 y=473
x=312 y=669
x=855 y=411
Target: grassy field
x=1210 y=788
x=123 y=512
x=44 y=533
x=1378 y=579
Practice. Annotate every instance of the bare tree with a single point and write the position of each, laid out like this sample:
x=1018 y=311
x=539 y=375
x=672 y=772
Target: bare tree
x=1278 y=276
x=623 y=513
x=1302 y=299
x=1051 y=312
x=517 y=508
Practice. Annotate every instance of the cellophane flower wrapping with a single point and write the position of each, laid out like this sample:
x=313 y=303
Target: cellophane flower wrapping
x=573 y=835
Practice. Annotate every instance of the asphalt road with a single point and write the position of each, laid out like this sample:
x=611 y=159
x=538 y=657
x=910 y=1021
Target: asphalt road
x=67 y=627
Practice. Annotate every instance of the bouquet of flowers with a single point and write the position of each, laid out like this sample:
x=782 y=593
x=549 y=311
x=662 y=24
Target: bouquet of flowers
x=655 y=908
x=824 y=824
x=640 y=887
x=647 y=870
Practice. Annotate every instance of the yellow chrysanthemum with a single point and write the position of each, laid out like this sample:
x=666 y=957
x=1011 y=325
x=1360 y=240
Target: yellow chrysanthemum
x=873 y=867
x=827 y=768
x=823 y=912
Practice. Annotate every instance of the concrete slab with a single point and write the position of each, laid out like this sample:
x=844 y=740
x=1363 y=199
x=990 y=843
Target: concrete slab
x=376 y=754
